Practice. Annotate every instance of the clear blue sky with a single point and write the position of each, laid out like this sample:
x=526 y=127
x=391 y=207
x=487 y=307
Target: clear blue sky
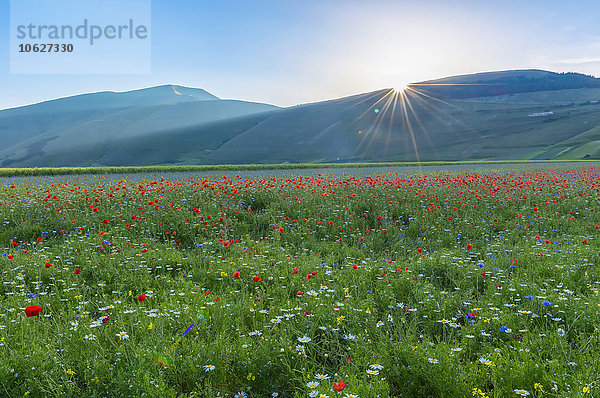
x=290 y=52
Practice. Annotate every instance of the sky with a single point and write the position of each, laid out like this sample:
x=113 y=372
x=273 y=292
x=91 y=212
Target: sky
x=292 y=52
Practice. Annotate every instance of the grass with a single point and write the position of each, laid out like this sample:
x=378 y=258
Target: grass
x=52 y=171
x=450 y=284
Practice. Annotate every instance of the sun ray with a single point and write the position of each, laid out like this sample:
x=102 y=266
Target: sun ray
x=401 y=111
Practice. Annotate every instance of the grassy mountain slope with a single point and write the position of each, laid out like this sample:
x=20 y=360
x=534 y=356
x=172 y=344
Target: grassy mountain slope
x=20 y=124
x=420 y=129
x=175 y=125
x=505 y=82
x=120 y=136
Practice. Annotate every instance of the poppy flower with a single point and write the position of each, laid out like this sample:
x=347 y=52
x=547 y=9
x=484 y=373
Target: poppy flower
x=141 y=297
x=294 y=271
x=469 y=246
x=236 y=274
x=256 y=278
x=105 y=221
x=299 y=294
x=77 y=271
x=48 y=265
x=339 y=386
x=33 y=310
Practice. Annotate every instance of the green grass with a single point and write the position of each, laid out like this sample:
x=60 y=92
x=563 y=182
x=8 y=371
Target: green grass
x=410 y=285
x=52 y=171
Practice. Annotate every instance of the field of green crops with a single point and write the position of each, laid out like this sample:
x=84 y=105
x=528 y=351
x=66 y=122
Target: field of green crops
x=365 y=284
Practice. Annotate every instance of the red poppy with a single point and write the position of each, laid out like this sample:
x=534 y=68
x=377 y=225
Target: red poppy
x=106 y=319
x=469 y=246
x=77 y=271
x=48 y=265
x=226 y=244
x=105 y=221
x=141 y=297
x=308 y=276
x=294 y=271
x=339 y=386
x=236 y=274
x=257 y=279
x=14 y=244
x=33 y=310
x=299 y=294
x=354 y=266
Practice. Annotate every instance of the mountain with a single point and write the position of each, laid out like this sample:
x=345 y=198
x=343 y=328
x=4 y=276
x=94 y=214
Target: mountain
x=505 y=82
x=79 y=129
x=526 y=114
x=18 y=124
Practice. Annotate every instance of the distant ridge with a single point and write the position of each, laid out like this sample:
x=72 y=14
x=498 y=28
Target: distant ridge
x=516 y=114
x=157 y=95
x=505 y=82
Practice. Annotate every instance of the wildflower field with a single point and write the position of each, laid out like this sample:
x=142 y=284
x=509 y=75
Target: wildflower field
x=365 y=284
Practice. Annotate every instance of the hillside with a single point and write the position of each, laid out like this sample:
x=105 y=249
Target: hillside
x=505 y=82
x=179 y=125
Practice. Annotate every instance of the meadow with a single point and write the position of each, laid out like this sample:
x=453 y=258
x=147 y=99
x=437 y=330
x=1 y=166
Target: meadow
x=369 y=283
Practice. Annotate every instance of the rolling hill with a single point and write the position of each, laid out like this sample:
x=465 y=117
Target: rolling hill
x=524 y=114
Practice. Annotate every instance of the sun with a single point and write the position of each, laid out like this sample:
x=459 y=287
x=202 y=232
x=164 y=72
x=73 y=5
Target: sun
x=400 y=88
